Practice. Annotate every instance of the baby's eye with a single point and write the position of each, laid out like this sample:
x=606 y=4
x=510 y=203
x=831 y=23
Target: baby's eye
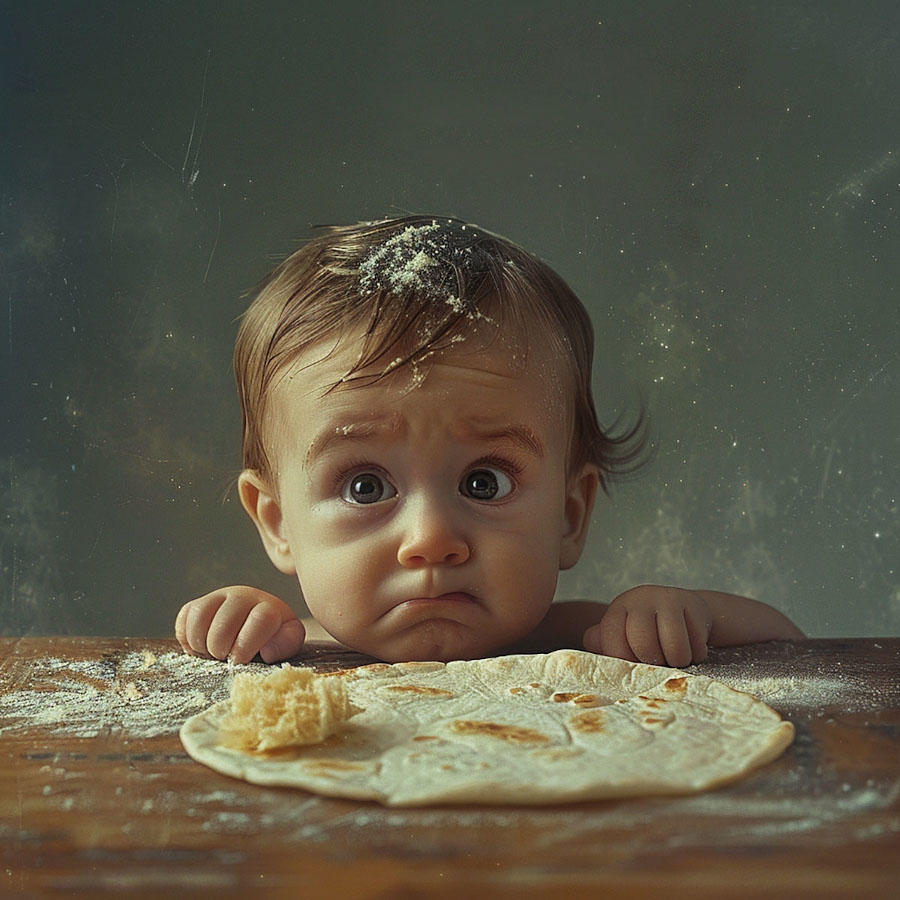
x=486 y=484
x=367 y=487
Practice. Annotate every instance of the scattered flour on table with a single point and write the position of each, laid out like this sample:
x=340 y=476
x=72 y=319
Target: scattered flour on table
x=792 y=691
x=713 y=819
x=812 y=692
x=139 y=693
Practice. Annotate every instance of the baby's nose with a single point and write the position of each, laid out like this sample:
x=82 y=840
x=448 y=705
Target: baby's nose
x=432 y=537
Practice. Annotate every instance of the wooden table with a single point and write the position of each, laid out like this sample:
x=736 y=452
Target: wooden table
x=98 y=795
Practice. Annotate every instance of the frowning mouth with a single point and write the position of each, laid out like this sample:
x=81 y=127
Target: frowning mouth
x=457 y=597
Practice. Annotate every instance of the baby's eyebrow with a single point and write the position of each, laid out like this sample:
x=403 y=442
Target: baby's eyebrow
x=520 y=435
x=344 y=431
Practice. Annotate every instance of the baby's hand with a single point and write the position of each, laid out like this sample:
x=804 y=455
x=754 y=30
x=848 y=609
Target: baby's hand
x=237 y=623
x=653 y=624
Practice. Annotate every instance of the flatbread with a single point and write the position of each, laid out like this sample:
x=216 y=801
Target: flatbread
x=527 y=729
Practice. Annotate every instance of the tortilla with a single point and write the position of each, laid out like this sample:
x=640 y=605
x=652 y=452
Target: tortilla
x=527 y=729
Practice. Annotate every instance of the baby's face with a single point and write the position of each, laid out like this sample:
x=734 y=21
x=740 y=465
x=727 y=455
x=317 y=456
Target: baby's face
x=428 y=521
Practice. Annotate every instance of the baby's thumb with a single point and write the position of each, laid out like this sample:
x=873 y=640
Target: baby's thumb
x=286 y=642
x=592 y=639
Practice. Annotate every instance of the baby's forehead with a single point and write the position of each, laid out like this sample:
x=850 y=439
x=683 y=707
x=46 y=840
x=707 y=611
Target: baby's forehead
x=311 y=416
x=503 y=378
x=330 y=375
x=339 y=364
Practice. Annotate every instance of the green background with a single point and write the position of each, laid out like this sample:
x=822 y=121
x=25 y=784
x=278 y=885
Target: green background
x=718 y=181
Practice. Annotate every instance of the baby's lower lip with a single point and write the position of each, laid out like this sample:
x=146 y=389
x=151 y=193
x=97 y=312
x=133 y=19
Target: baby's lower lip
x=444 y=598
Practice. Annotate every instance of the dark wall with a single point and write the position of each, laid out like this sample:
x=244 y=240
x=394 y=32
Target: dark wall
x=718 y=181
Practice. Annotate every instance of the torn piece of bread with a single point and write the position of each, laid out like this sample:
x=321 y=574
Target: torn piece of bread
x=292 y=706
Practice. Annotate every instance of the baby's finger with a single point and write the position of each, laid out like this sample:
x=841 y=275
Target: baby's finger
x=259 y=627
x=226 y=625
x=641 y=633
x=181 y=627
x=608 y=637
x=287 y=642
x=673 y=636
x=698 y=625
x=200 y=614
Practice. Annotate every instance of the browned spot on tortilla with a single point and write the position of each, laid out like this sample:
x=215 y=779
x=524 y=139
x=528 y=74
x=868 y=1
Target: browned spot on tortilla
x=575 y=697
x=651 y=721
x=655 y=702
x=591 y=721
x=535 y=684
x=676 y=684
x=511 y=733
x=328 y=766
x=374 y=668
x=418 y=689
x=425 y=737
x=585 y=699
x=515 y=690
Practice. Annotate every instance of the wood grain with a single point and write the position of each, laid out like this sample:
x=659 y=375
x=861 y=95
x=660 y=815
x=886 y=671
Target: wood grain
x=121 y=810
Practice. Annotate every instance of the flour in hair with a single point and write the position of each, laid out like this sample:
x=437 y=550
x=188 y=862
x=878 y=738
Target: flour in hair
x=424 y=260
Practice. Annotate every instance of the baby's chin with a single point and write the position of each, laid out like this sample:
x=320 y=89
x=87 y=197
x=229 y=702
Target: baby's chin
x=435 y=640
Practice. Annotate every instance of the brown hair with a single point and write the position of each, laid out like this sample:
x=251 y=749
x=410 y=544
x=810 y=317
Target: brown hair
x=414 y=286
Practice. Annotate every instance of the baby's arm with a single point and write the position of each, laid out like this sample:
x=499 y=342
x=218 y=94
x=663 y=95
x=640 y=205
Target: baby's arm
x=237 y=623
x=667 y=625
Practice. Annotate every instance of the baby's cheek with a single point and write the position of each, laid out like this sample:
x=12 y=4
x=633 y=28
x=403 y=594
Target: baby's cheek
x=335 y=592
x=525 y=597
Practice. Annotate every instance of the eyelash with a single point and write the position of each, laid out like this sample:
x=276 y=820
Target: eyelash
x=508 y=464
x=356 y=465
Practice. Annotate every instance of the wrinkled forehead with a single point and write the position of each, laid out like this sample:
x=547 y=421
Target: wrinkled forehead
x=333 y=365
x=507 y=372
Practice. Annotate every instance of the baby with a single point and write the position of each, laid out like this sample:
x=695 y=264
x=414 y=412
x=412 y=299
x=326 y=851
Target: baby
x=421 y=450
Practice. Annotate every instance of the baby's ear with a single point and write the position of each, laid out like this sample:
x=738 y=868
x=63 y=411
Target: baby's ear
x=580 y=495
x=262 y=506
